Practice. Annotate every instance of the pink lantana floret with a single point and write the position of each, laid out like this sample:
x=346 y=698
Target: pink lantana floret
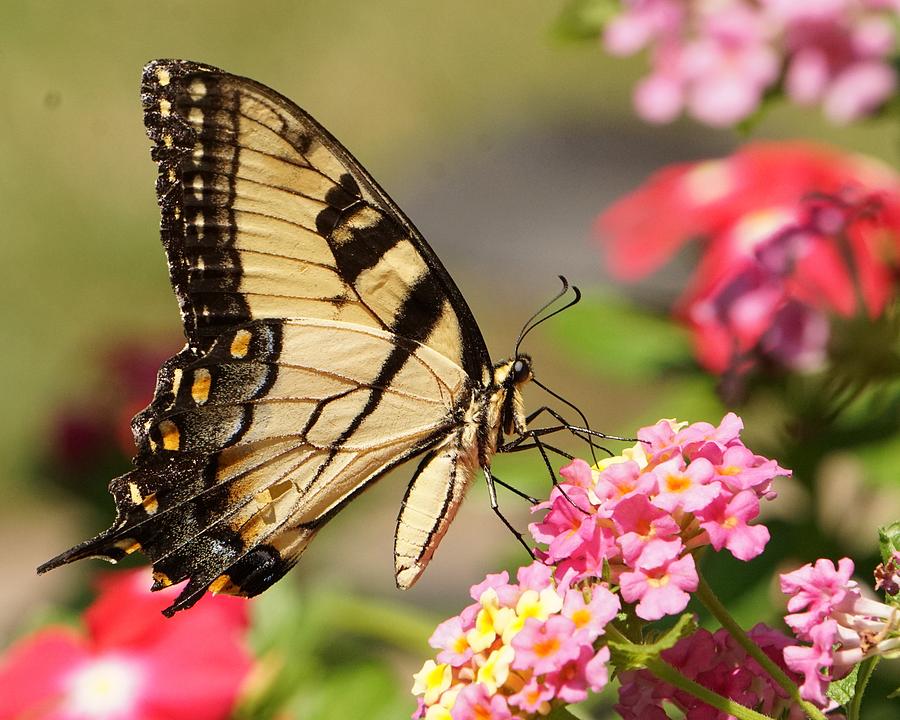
x=725 y=522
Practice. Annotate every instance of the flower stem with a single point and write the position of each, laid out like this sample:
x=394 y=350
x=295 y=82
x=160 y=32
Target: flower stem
x=867 y=667
x=666 y=672
x=669 y=674
x=706 y=595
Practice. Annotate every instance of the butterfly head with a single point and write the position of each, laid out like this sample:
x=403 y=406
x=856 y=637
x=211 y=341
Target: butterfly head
x=509 y=377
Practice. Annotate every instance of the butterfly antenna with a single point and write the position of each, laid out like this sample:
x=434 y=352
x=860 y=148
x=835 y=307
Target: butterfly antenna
x=536 y=320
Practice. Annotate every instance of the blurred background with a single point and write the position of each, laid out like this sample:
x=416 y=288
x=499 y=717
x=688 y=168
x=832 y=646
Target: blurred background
x=501 y=142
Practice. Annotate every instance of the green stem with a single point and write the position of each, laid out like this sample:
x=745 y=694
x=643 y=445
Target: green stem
x=669 y=674
x=866 y=668
x=706 y=595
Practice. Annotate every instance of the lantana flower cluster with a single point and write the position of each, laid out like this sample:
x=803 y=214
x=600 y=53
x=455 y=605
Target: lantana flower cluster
x=623 y=531
x=828 y=611
x=636 y=520
x=719 y=663
x=793 y=233
x=518 y=648
x=717 y=60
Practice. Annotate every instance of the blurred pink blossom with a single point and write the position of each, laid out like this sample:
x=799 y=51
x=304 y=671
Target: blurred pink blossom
x=717 y=60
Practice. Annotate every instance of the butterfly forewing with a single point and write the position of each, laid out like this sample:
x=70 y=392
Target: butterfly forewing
x=266 y=215
x=326 y=344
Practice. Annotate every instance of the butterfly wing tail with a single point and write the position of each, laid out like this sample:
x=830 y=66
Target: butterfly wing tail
x=432 y=499
x=167 y=509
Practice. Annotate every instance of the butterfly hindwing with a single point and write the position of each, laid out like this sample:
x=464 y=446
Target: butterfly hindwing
x=245 y=451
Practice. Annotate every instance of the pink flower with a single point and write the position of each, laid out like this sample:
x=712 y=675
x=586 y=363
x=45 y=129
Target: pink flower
x=819 y=589
x=133 y=663
x=638 y=522
x=498 y=582
x=540 y=643
x=813 y=662
x=595 y=671
x=725 y=521
x=739 y=469
x=660 y=582
x=528 y=646
x=622 y=480
x=533 y=696
x=689 y=488
x=718 y=60
x=589 y=618
x=570 y=682
x=844 y=627
x=659 y=98
x=474 y=703
x=450 y=638
x=859 y=90
x=544 y=647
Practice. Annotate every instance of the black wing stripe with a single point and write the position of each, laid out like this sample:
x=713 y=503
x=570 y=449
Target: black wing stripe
x=365 y=246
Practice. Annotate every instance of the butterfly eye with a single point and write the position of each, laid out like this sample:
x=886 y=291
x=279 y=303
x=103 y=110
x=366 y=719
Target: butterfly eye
x=521 y=371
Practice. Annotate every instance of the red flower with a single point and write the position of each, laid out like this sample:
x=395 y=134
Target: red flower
x=791 y=231
x=133 y=663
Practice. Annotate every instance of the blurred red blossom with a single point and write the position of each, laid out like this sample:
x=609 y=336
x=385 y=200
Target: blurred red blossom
x=131 y=663
x=790 y=232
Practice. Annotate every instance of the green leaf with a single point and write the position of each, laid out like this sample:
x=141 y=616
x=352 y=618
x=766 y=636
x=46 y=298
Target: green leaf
x=843 y=690
x=889 y=540
x=582 y=20
x=632 y=656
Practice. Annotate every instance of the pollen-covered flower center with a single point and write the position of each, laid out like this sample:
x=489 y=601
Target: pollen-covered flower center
x=677 y=483
x=547 y=647
x=581 y=617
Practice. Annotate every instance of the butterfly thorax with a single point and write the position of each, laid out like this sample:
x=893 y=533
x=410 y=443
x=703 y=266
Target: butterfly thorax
x=505 y=409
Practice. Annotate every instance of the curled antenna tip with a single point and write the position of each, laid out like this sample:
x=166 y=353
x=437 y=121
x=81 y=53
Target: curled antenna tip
x=536 y=320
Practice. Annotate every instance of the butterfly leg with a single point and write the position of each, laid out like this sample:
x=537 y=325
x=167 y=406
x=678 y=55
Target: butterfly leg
x=495 y=506
x=519 y=444
x=515 y=491
x=574 y=428
x=566 y=425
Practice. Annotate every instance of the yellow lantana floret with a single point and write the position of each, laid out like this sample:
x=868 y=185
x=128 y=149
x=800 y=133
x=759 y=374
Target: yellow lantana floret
x=495 y=670
x=490 y=621
x=432 y=680
x=533 y=604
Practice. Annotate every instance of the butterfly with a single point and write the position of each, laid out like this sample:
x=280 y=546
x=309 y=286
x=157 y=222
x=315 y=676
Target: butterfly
x=326 y=344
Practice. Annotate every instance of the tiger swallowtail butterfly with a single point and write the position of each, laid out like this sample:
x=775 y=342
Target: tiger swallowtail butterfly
x=326 y=344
